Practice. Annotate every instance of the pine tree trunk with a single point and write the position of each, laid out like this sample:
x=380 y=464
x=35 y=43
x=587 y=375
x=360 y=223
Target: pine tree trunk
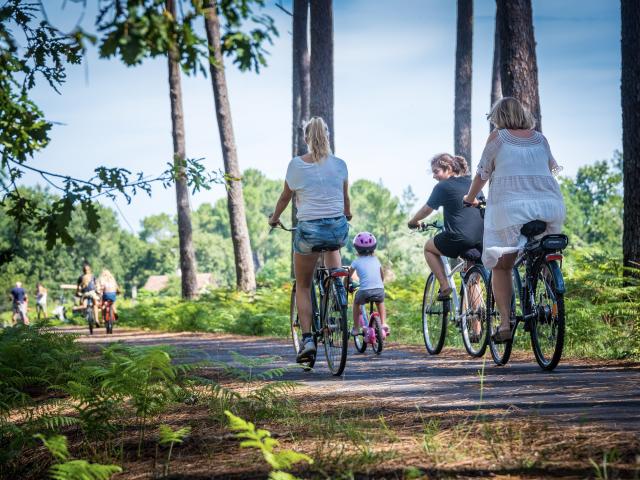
x=496 y=86
x=321 y=99
x=301 y=85
x=245 y=273
x=518 y=64
x=462 y=109
x=188 y=266
x=630 y=90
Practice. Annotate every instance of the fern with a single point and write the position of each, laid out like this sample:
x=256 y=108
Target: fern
x=74 y=469
x=171 y=437
x=262 y=440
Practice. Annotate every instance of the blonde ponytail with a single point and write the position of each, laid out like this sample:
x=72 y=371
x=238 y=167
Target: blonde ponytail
x=316 y=134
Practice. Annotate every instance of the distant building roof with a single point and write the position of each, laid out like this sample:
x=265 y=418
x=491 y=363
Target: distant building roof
x=155 y=283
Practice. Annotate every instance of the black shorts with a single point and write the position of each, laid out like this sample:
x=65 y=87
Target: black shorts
x=453 y=246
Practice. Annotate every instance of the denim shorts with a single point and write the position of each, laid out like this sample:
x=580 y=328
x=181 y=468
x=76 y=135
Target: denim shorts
x=320 y=232
x=109 y=296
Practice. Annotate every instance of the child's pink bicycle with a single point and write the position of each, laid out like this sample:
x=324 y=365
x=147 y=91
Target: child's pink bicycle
x=370 y=330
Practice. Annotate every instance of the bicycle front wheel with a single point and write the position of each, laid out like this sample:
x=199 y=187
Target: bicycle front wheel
x=296 y=329
x=548 y=324
x=434 y=317
x=473 y=311
x=334 y=329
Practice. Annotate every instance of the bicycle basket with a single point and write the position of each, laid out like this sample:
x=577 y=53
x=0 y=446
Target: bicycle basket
x=554 y=242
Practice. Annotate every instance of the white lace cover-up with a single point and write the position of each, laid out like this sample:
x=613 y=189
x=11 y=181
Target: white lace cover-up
x=522 y=188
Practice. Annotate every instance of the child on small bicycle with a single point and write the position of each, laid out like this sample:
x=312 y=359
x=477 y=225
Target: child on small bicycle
x=369 y=271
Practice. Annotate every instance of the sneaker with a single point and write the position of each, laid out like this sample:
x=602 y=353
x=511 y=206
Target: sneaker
x=307 y=351
x=386 y=330
x=355 y=332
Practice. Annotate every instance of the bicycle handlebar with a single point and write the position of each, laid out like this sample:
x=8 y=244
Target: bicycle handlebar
x=423 y=227
x=480 y=205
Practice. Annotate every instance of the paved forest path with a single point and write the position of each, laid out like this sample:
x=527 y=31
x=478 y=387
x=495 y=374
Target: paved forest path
x=578 y=391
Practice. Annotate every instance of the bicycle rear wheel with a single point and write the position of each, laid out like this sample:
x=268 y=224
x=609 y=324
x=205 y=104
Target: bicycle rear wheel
x=548 y=325
x=434 y=317
x=377 y=326
x=334 y=328
x=90 y=319
x=500 y=352
x=473 y=311
x=296 y=330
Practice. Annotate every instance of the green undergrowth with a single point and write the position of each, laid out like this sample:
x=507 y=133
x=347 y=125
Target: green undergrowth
x=602 y=314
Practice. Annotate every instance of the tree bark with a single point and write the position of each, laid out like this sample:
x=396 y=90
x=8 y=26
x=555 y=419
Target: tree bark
x=518 y=64
x=462 y=109
x=321 y=69
x=630 y=93
x=188 y=266
x=301 y=86
x=245 y=273
x=496 y=86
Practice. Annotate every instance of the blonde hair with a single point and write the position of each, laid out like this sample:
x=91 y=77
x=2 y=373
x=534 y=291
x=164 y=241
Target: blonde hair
x=316 y=134
x=509 y=113
x=445 y=161
x=107 y=278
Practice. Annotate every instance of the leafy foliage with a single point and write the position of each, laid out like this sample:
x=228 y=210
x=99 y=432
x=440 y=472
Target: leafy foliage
x=74 y=469
x=262 y=440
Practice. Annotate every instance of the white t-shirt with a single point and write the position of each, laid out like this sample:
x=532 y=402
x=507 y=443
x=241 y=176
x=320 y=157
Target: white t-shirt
x=368 y=269
x=319 y=187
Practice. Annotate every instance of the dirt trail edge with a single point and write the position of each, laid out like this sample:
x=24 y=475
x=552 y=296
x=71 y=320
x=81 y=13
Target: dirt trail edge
x=577 y=392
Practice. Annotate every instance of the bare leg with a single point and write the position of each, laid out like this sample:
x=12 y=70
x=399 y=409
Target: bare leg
x=475 y=302
x=304 y=265
x=356 y=315
x=382 y=311
x=432 y=256
x=503 y=288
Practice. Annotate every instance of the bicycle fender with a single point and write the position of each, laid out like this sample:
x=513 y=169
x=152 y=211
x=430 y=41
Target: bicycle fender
x=558 y=279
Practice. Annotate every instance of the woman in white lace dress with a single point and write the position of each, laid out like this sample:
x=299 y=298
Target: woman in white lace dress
x=519 y=163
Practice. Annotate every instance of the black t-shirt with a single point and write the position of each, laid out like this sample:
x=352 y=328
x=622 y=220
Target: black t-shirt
x=459 y=220
x=18 y=294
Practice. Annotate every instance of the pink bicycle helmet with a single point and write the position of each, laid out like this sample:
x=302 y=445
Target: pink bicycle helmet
x=364 y=242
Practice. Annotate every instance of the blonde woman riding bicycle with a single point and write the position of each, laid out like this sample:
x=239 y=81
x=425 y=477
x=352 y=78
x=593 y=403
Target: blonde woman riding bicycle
x=320 y=183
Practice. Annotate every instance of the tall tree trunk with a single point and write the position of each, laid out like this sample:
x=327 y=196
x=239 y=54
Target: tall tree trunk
x=321 y=99
x=245 y=274
x=630 y=90
x=518 y=64
x=188 y=266
x=301 y=85
x=462 y=109
x=496 y=86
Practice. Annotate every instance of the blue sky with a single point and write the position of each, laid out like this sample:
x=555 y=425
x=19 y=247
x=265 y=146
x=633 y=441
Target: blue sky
x=394 y=93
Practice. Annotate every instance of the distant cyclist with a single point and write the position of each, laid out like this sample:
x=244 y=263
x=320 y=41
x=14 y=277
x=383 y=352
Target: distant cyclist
x=41 y=300
x=86 y=289
x=19 y=299
x=463 y=226
x=320 y=183
x=108 y=288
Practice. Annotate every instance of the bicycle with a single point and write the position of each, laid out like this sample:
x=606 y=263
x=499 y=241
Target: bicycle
x=370 y=331
x=468 y=303
x=540 y=298
x=329 y=312
x=108 y=316
x=88 y=314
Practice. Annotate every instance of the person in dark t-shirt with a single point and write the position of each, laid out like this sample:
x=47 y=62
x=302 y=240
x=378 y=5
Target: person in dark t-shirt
x=463 y=226
x=19 y=299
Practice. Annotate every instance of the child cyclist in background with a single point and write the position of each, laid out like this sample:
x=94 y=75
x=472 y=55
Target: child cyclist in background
x=369 y=271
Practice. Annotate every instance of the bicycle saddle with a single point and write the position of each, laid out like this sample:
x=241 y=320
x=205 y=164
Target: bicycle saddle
x=472 y=255
x=531 y=229
x=326 y=247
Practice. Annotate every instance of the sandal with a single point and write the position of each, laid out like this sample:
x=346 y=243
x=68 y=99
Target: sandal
x=502 y=336
x=444 y=294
